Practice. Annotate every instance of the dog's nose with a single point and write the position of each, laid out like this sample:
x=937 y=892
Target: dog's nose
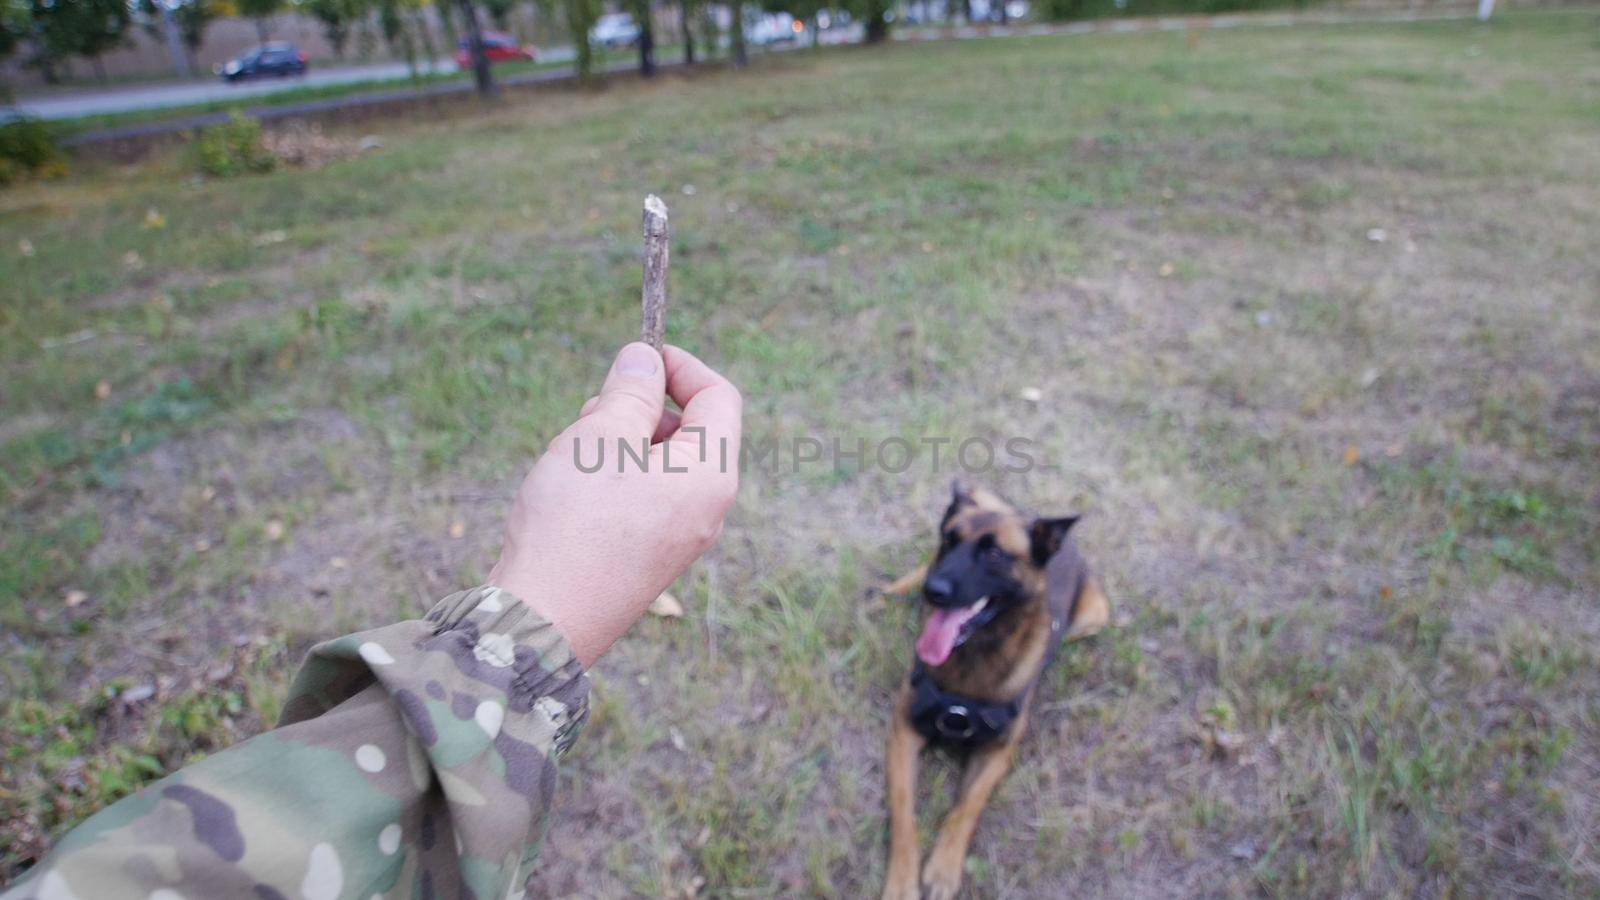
x=939 y=587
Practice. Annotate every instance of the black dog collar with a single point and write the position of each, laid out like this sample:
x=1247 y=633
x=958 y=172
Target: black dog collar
x=954 y=719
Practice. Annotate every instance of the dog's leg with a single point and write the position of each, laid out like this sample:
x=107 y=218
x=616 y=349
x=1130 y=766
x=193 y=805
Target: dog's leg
x=908 y=582
x=986 y=767
x=1091 y=613
x=905 y=744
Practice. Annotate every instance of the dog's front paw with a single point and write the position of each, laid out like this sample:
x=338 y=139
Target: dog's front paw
x=902 y=885
x=941 y=877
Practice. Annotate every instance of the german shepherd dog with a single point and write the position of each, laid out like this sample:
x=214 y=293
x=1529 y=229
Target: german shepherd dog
x=1001 y=593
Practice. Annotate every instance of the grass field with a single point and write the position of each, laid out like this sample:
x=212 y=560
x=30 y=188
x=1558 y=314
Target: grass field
x=1314 y=318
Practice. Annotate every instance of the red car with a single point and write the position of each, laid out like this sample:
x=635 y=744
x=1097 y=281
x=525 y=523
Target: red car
x=498 y=47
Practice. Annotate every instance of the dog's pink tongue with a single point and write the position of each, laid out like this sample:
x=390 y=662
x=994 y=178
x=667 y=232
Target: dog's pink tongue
x=939 y=634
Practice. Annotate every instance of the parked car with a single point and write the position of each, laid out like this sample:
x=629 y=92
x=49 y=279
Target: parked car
x=276 y=58
x=614 y=30
x=498 y=47
x=766 y=29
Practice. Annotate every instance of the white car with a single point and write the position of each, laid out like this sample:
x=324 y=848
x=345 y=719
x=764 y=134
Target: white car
x=772 y=28
x=614 y=30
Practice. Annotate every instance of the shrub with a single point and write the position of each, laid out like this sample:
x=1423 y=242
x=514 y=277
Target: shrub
x=232 y=148
x=28 y=148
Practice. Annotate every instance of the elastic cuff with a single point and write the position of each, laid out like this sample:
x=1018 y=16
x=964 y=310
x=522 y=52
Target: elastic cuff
x=495 y=623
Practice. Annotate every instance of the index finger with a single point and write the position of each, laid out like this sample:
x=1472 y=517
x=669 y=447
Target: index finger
x=708 y=400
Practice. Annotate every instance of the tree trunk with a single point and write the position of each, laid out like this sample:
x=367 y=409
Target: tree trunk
x=99 y=69
x=480 y=61
x=688 y=32
x=261 y=29
x=741 y=57
x=420 y=19
x=877 y=26
x=816 y=29
x=647 y=41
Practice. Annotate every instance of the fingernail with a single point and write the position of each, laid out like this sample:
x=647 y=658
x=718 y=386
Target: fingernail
x=636 y=360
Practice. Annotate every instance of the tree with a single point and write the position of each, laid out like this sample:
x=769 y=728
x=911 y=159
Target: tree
x=499 y=10
x=391 y=18
x=876 y=15
x=260 y=11
x=741 y=57
x=84 y=28
x=190 y=16
x=647 y=36
x=337 y=18
x=580 y=16
x=13 y=26
x=686 y=22
x=480 y=60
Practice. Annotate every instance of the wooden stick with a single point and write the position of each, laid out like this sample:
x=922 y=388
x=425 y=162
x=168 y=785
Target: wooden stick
x=653 y=327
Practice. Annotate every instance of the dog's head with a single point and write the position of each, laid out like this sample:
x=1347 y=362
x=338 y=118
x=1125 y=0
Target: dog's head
x=991 y=557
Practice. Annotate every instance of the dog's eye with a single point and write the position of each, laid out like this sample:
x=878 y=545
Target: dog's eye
x=951 y=538
x=993 y=553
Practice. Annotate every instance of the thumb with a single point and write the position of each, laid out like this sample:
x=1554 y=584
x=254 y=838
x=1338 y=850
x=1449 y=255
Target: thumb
x=631 y=400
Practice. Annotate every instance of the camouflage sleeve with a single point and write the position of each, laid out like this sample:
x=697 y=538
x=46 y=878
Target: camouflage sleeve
x=414 y=760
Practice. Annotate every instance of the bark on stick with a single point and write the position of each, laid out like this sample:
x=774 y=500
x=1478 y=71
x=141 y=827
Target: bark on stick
x=653 y=326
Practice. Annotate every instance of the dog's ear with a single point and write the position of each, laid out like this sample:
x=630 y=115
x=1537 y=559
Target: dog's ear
x=960 y=495
x=960 y=492
x=1045 y=537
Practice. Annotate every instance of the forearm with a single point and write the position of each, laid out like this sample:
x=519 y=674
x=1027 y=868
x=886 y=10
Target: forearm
x=479 y=699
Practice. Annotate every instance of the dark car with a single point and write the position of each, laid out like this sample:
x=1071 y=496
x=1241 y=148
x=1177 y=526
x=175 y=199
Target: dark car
x=498 y=47
x=277 y=58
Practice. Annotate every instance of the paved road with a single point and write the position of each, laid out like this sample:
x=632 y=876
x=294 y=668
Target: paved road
x=162 y=96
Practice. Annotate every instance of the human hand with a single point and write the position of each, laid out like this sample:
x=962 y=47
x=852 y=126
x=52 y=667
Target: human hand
x=589 y=550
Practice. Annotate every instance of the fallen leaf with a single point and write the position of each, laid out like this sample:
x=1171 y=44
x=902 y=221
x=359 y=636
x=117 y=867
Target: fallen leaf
x=1031 y=394
x=370 y=142
x=458 y=529
x=132 y=261
x=153 y=218
x=74 y=598
x=678 y=742
x=1245 y=850
x=202 y=545
x=25 y=247
x=927 y=247
x=102 y=389
x=688 y=190
x=1166 y=270
x=268 y=238
x=666 y=606
x=1351 y=455
x=274 y=530
x=1377 y=235
x=137 y=694
x=208 y=494
x=339 y=562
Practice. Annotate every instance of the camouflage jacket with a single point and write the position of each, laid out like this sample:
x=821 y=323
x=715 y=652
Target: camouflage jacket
x=413 y=760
